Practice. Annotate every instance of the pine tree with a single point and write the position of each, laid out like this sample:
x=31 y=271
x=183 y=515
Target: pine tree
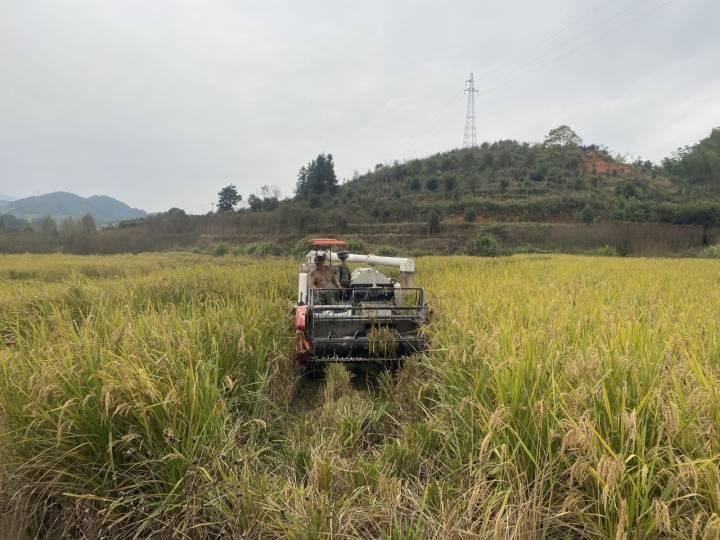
x=228 y=198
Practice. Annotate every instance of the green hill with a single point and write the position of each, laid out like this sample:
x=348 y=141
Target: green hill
x=61 y=204
x=560 y=195
x=698 y=165
x=557 y=181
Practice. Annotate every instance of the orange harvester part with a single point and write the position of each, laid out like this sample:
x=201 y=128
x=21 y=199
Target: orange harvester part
x=327 y=242
x=300 y=314
x=302 y=345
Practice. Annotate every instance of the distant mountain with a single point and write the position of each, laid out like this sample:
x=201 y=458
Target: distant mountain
x=4 y=198
x=60 y=205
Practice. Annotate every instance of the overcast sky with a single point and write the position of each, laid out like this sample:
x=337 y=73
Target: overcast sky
x=161 y=103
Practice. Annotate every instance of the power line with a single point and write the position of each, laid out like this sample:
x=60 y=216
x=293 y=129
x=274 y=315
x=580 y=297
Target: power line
x=576 y=49
x=536 y=46
x=422 y=136
x=412 y=143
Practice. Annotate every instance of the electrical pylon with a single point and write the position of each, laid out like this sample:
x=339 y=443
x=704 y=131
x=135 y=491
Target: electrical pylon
x=470 y=138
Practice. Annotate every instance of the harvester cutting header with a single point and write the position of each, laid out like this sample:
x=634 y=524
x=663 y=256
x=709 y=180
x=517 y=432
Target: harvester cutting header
x=358 y=316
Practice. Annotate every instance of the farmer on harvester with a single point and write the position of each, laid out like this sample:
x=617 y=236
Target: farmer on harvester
x=324 y=277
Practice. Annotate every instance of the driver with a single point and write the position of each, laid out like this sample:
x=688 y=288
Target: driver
x=342 y=270
x=323 y=277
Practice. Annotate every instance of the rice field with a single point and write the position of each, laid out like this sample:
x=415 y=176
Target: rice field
x=154 y=396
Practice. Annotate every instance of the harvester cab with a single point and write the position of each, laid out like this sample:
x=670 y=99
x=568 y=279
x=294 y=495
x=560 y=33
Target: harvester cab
x=371 y=317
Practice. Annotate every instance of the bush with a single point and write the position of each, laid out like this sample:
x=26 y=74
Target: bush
x=529 y=250
x=355 y=246
x=264 y=249
x=711 y=252
x=605 y=251
x=434 y=223
x=486 y=245
x=220 y=250
x=470 y=215
x=586 y=215
x=300 y=248
x=387 y=251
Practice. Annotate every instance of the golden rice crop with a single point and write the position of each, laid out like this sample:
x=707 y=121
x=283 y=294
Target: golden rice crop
x=564 y=397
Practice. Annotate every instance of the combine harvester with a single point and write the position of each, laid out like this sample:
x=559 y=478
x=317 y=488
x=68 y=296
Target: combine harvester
x=371 y=318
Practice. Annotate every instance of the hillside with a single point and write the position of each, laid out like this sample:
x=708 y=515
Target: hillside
x=509 y=181
x=559 y=195
x=61 y=204
x=699 y=164
x=4 y=198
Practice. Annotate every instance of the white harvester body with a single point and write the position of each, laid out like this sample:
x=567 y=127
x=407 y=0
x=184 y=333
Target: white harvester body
x=372 y=317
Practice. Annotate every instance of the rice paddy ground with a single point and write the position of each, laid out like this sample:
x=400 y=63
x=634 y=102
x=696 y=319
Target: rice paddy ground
x=155 y=396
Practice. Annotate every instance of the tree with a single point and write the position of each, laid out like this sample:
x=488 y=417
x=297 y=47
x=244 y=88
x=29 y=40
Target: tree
x=468 y=161
x=562 y=136
x=434 y=223
x=267 y=200
x=301 y=182
x=450 y=183
x=432 y=184
x=415 y=184
x=564 y=143
x=270 y=192
x=48 y=227
x=254 y=202
x=699 y=163
x=228 y=198
x=587 y=214
x=87 y=225
x=486 y=245
x=177 y=220
x=472 y=182
x=68 y=228
x=470 y=215
x=317 y=177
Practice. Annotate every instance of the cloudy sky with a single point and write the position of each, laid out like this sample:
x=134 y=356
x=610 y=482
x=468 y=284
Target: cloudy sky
x=161 y=103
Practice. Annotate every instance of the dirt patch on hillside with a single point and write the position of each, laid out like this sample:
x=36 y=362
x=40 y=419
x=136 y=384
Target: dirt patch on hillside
x=596 y=164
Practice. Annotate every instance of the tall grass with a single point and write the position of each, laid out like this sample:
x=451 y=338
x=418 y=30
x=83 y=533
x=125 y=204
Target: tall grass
x=564 y=397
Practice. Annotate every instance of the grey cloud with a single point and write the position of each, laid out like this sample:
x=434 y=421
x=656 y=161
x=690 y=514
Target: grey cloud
x=161 y=103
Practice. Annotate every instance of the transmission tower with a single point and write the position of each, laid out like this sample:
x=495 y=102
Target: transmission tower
x=470 y=139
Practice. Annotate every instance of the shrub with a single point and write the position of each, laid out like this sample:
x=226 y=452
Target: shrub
x=586 y=215
x=711 y=252
x=434 y=223
x=486 y=245
x=355 y=246
x=264 y=249
x=605 y=251
x=470 y=215
x=387 y=251
x=300 y=248
x=529 y=250
x=220 y=250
